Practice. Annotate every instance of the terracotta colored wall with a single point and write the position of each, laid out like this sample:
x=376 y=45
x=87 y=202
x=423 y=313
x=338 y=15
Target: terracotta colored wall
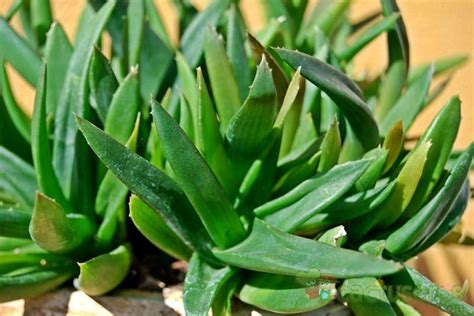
x=436 y=28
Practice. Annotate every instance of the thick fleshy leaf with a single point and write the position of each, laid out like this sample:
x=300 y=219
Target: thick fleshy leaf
x=119 y=122
x=21 y=121
x=111 y=199
x=299 y=155
x=114 y=265
x=12 y=262
x=341 y=90
x=251 y=126
x=390 y=89
x=41 y=19
x=297 y=174
x=236 y=50
x=73 y=100
x=192 y=41
x=393 y=206
x=430 y=217
x=135 y=25
x=14 y=223
x=441 y=133
x=441 y=66
x=368 y=36
x=13 y=287
x=413 y=284
x=202 y=284
x=409 y=105
x=155 y=61
x=221 y=75
x=279 y=77
x=46 y=177
x=57 y=52
x=152 y=226
x=152 y=186
x=204 y=191
x=398 y=46
x=102 y=84
x=18 y=178
x=455 y=213
x=269 y=250
x=188 y=83
x=366 y=296
x=186 y=121
x=368 y=179
x=288 y=212
x=53 y=230
x=330 y=148
x=285 y=294
x=393 y=143
x=347 y=209
x=19 y=53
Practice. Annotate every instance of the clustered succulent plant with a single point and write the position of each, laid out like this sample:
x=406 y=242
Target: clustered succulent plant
x=282 y=177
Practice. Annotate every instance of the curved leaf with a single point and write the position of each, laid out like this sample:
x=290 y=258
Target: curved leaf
x=269 y=250
x=103 y=273
x=341 y=90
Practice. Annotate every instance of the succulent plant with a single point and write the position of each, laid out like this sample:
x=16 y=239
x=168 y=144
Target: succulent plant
x=293 y=194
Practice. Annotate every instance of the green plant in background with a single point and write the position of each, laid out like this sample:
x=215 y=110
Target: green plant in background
x=292 y=194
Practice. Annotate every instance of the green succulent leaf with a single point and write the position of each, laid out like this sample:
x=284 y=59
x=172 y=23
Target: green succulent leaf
x=192 y=41
x=102 y=84
x=285 y=294
x=202 y=284
x=430 y=217
x=455 y=213
x=21 y=121
x=394 y=205
x=409 y=105
x=291 y=210
x=413 y=284
x=19 y=53
x=330 y=148
x=204 y=192
x=41 y=19
x=73 y=99
x=269 y=250
x=14 y=223
x=393 y=143
x=155 y=61
x=111 y=198
x=368 y=179
x=152 y=226
x=398 y=46
x=441 y=66
x=18 y=178
x=347 y=209
x=114 y=265
x=135 y=25
x=11 y=262
x=57 y=53
x=119 y=123
x=46 y=177
x=186 y=121
x=251 y=126
x=341 y=90
x=54 y=230
x=390 y=89
x=366 y=296
x=236 y=50
x=368 y=36
x=279 y=78
x=222 y=78
x=188 y=83
x=39 y=281
x=441 y=133
x=154 y=187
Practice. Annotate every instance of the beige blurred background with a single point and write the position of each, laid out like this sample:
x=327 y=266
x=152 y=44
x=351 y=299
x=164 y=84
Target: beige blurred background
x=436 y=28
